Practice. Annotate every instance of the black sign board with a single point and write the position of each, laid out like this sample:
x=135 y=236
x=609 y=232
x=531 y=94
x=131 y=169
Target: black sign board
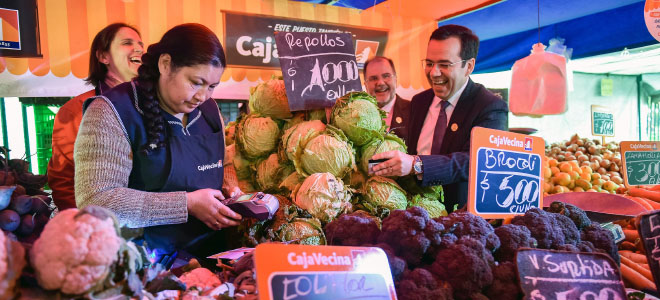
x=649 y=232
x=250 y=42
x=641 y=162
x=331 y=285
x=318 y=68
x=548 y=274
x=20 y=29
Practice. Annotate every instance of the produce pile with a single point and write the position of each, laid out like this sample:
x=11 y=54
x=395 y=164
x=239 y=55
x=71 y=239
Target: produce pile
x=582 y=165
x=24 y=206
x=317 y=167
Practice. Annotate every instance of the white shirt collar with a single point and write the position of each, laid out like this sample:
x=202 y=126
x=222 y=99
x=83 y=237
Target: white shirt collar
x=454 y=99
x=388 y=107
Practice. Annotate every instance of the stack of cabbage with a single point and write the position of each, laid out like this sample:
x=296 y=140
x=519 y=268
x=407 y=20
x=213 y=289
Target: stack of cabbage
x=320 y=166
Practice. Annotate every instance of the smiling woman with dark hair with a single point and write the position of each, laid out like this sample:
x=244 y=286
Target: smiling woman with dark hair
x=141 y=146
x=114 y=58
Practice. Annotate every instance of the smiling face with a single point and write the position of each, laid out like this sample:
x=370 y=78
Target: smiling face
x=381 y=81
x=183 y=89
x=124 y=56
x=446 y=81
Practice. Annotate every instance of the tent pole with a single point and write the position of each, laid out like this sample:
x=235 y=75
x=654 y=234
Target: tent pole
x=639 y=107
x=3 y=120
x=26 y=133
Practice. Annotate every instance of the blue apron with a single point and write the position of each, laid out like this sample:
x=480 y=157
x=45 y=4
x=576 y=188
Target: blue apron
x=192 y=160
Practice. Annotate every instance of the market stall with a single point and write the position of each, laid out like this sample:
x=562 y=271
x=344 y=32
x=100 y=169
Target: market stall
x=574 y=215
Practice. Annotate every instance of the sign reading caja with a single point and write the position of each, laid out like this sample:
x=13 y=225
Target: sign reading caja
x=641 y=163
x=250 y=42
x=505 y=173
x=304 y=272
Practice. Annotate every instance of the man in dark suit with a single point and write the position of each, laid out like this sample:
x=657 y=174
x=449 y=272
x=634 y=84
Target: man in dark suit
x=442 y=117
x=380 y=80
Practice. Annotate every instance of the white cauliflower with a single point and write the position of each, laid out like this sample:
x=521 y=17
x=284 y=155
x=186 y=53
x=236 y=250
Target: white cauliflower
x=200 y=278
x=12 y=261
x=76 y=251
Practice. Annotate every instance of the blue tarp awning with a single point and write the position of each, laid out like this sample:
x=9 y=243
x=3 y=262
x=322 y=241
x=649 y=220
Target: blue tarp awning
x=509 y=29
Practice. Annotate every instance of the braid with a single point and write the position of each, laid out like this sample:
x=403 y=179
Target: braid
x=147 y=80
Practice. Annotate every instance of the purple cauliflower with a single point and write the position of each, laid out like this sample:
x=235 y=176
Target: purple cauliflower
x=512 y=237
x=601 y=238
x=577 y=215
x=463 y=223
x=505 y=283
x=466 y=265
x=568 y=228
x=543 y=227
x=420 y=284
x=354 y=229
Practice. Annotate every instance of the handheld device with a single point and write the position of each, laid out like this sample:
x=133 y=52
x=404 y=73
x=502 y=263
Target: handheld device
x=255 y=205
x=374 y=162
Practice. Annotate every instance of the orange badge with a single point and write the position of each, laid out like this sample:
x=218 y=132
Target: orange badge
x=454 y=127
x=398 y=120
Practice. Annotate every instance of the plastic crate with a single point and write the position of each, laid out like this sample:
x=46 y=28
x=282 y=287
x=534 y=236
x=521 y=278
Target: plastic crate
x=44 y=118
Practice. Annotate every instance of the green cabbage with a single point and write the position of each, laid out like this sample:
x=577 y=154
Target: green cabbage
x=269 y=99
x=383 y=195
x=304 y=231
x=242 y=166
x=358 y=116
x=435 y=208
x=270 y=172
x=327 y=152
x=246 y=186
x=298 y=117
x=295 y=138
x=289 y=184
x=257 y=136
x=391 y=142
x=323 y=196
x=316 y=114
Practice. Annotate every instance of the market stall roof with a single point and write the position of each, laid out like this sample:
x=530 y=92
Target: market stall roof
x=590 y=28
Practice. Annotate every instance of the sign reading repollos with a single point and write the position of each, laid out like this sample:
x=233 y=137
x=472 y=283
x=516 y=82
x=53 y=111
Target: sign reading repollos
x=251 y=42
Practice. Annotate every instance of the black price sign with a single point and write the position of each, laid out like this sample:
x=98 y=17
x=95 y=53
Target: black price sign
x=318 y=68
x=641 y=163
x=548 y=274
x=602 y=121
x=649 y=231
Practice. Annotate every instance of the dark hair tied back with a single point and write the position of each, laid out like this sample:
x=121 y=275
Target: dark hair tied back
x=188 y=45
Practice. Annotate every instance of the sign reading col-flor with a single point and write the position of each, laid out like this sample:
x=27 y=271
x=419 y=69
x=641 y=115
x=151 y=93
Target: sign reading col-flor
x=318 y=68
x=302 y=272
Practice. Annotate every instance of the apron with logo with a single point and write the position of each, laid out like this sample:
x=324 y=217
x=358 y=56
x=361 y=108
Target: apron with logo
x=191 y=160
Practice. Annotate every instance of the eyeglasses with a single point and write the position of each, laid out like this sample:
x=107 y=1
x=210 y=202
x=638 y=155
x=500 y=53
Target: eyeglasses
x=429 y=64
x=386 y=77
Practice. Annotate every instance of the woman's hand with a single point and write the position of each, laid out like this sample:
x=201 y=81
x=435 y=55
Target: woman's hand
x=205 y=205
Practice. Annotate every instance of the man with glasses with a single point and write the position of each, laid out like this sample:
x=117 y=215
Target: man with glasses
x=380 y=80
x=443 y=116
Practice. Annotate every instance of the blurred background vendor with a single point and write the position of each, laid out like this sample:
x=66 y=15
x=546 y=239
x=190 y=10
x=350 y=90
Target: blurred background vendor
x=152 y=150
x=114 y=58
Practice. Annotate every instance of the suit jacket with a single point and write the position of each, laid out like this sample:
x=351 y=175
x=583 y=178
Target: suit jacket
x=450 y=167
x=400 y=117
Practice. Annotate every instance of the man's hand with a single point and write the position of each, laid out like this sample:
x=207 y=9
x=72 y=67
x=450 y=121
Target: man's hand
x=397 y=164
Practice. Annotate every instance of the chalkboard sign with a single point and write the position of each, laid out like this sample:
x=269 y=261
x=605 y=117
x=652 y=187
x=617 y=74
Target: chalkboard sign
x=317 y=68
x=641 y=163
x=304 y=272
x=649 y=231
x=505 y=173
x=547 y=274
x=602 y=121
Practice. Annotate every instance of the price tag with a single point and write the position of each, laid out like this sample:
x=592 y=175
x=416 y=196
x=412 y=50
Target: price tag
x=304 y=272
x=317 y=68
x=602 y=121
x=548 y=274
x=649 y=233
x=641 y=163
x=505 y=173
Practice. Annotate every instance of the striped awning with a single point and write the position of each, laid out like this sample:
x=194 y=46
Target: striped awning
x=68 y=27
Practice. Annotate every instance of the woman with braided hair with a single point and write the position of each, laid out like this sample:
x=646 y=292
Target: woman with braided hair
x=152 y=149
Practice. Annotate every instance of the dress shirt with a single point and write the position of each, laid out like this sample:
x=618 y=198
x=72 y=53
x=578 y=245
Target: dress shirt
x=426 y=141
x=388 y=109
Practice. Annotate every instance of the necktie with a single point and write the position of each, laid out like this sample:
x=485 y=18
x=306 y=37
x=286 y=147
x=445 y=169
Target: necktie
x=440 y=128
